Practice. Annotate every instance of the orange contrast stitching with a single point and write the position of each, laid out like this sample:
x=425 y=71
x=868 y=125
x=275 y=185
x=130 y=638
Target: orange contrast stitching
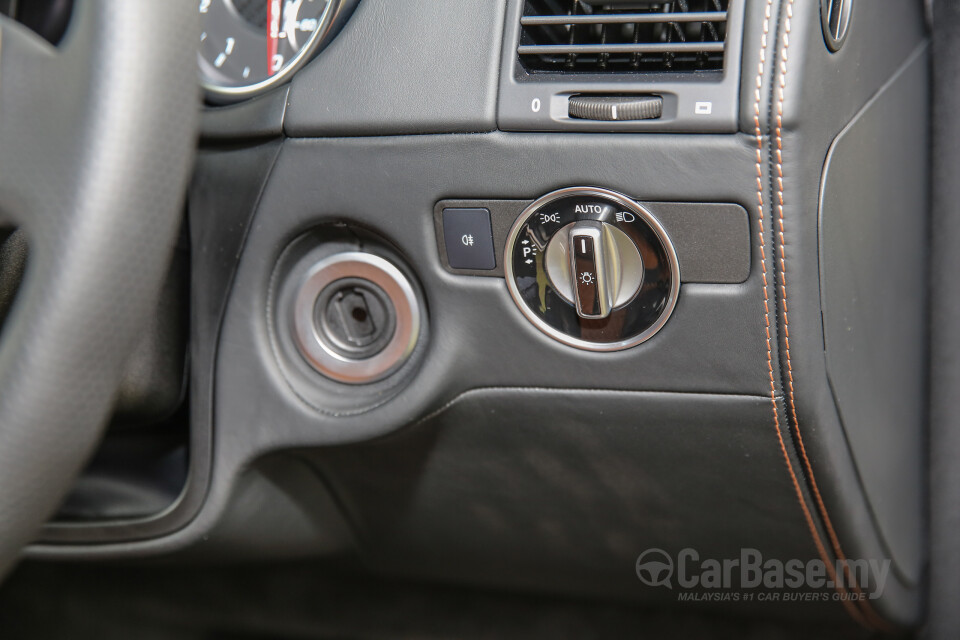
x=853 y=611
x=831 y=532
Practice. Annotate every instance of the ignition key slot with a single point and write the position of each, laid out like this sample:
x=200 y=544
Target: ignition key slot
x=355 y=318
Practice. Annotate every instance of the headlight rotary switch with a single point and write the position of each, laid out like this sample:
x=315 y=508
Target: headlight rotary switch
x=588 y=264
x=592 y=268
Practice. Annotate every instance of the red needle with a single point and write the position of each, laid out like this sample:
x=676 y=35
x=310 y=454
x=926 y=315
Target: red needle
x=273 y=33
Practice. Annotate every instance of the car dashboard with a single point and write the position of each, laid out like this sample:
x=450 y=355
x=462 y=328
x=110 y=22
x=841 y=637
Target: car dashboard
x=511 y=295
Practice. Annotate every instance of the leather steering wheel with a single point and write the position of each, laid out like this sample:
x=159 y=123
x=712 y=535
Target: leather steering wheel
x=96 y=142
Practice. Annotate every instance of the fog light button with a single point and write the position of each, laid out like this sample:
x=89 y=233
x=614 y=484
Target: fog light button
x=468 y=239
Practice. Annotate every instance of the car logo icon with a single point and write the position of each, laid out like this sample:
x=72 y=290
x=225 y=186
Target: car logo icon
x=655 y=568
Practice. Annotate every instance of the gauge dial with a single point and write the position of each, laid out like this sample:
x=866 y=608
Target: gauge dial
x=247 y=46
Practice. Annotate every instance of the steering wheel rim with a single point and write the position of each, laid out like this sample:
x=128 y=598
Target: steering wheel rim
x=96 y=141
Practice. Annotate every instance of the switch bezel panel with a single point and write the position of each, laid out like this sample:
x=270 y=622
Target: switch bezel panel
x=712 y=239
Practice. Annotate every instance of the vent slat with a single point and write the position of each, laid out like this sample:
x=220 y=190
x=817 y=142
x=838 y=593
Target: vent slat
x=624 y=18
x=665 y=47
x=644 y=36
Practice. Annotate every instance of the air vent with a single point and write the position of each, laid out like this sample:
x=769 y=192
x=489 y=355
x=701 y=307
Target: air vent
x=576 y=65
x=617 y=36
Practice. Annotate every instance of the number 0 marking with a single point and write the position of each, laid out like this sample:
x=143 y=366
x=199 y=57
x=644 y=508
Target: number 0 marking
x=535 y=105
